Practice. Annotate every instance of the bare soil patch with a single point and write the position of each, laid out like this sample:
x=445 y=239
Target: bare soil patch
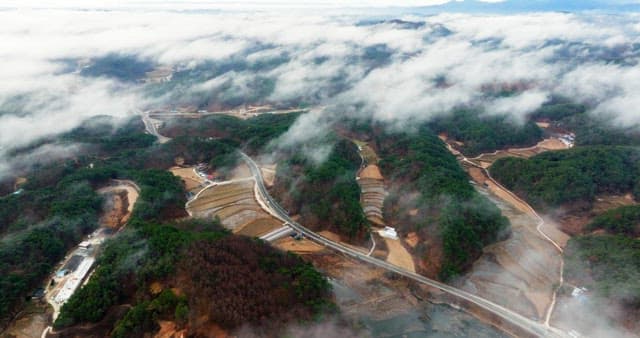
x=120 y=200
x=169 y=329
x=302 y=246
x=330 y=235
x=192 y=182
x=31 y=322
x=412 y=239
x=604 y=203
x=19 y=182
x=371 y=171
x=259 y=227
x=398 y=255
x=269 y=174
x=573 y=220
x=552 y=144
x=241 y=171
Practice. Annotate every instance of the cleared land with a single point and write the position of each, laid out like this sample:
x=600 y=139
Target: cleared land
x=552 y=143
x=259 y=227
x=398 y=255
x=372 y=198
x=302 y=246
x=120 y=199
x=519 y=273
x=192 y=182
x=372 y=195
x=367 y=153
x=269 y=174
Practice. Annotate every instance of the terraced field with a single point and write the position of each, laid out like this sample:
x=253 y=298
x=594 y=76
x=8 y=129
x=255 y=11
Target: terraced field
x=235 y=204
x=371 y=184
x=372 y=198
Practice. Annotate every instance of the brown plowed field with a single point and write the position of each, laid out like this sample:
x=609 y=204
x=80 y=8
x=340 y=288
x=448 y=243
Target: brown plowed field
x=237 y=208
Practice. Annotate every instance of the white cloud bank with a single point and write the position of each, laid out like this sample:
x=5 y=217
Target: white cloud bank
x=396 y=72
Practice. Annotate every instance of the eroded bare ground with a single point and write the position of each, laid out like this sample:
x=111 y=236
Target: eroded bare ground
x=522 y=272
x=573 y=220
x=519 y=273
x=383 y=305
x=31 y=322
x=120 y=197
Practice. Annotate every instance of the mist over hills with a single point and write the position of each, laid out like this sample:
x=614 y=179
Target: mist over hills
x=418 y=84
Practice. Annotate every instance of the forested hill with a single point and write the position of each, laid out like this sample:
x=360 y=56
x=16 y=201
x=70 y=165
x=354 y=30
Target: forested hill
x=575 y=176
x=254 y=133
x=59 y=205
x=430 y=195
x=196 y=275
x=481 y=134
x=325 y=195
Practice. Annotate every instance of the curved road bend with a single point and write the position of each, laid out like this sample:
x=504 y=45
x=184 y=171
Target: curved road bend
x=516 y=319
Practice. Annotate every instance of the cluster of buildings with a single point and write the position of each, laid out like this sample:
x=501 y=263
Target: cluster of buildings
x=73 y=280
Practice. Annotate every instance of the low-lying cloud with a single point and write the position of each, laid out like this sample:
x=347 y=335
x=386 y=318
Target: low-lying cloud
x=398 y=71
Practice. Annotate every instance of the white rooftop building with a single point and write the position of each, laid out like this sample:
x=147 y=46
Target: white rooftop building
x=388 y=232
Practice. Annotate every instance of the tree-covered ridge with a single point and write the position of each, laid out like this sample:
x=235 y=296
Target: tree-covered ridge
x=608 y=264
x=58 y=205
x=576 y=175
x=623 y=220
x=143 y=253
x=482 y=134
x=448 y=209
x=590 y=129
x=229 y=280
x=253 y=133
x=326 y=195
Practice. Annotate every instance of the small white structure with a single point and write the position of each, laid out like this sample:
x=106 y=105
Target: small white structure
x=84 y=245
x=388 y=232
x=578 y=291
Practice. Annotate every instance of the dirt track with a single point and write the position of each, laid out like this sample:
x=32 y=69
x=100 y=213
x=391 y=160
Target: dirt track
x=521 y=272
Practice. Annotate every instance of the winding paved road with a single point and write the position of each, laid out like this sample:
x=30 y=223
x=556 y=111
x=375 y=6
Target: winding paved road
x=528 y=325
x=516 y=319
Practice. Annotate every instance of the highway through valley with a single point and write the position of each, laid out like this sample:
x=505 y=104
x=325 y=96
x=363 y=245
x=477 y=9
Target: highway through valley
x=526 y=324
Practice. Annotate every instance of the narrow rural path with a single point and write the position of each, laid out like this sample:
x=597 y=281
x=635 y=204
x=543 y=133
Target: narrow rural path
x=522 y=205
x=372 y=195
